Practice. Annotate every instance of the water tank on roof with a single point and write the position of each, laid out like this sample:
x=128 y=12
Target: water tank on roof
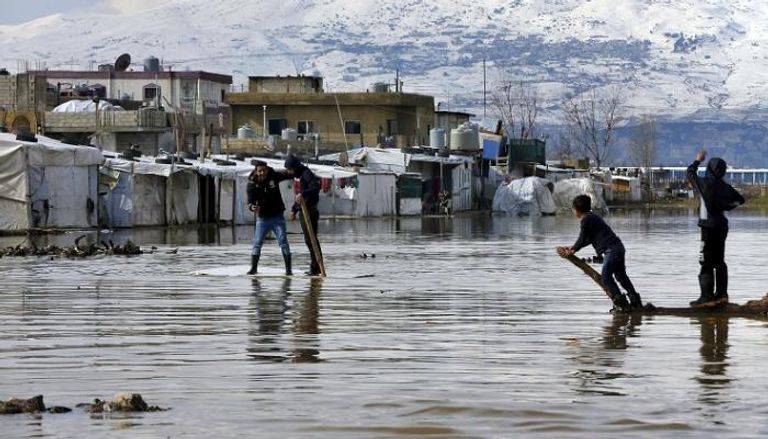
x=289 y=135
x=245 y=132
x=465 y=138
x=151 y=64
x=437 y=138
x=381 y=87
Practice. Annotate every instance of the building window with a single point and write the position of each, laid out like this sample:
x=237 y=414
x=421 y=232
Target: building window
x=305 y=127
x=275 y=127
x=352 y=127
x=151 y=91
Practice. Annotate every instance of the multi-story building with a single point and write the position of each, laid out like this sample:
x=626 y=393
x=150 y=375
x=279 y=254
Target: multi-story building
x=273 y=104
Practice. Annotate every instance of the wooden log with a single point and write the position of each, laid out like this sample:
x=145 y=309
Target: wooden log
x=753 y=309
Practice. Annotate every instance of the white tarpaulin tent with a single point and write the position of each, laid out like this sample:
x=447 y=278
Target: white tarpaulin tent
x=525 y=196
x=85 y=106
x=47 y=184
x=566 y=190
x=141 y=193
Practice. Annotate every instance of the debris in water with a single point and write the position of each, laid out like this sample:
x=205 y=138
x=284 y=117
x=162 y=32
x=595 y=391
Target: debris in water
x=15 y=406
x=77 y=251
x=122 y=402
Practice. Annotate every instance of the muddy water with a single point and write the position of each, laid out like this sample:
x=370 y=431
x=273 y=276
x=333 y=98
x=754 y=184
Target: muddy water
x=463 y=327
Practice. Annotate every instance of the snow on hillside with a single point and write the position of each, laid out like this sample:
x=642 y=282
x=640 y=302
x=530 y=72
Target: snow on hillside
x=672 y=57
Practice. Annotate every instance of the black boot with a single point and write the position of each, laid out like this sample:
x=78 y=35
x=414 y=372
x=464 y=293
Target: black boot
x=620 y=303
x=721 y=286
x=707 y=285
x=254 y=265
x=287 y=259
x=634 y=301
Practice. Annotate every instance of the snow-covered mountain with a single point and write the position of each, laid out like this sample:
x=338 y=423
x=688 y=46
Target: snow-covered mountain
x=701 y=60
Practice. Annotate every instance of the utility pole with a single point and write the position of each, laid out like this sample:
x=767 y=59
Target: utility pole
x=484 y=89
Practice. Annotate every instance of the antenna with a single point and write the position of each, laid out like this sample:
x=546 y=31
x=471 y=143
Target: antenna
x=122 y=62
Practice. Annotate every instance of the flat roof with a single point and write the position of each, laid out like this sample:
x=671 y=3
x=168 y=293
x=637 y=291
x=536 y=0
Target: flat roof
x=456 y=113
x=96 y=75
x=285 y=77
x=299 y=99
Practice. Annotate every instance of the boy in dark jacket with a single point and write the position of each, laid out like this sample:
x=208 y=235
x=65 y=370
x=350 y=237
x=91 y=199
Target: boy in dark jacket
x=595 y=231
x=716 y=197
x=265 y=200
x=310 y=193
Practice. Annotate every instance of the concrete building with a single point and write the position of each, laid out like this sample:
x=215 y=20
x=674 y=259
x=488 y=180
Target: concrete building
x=152 y=98
x=22 y=100
x=273 y=104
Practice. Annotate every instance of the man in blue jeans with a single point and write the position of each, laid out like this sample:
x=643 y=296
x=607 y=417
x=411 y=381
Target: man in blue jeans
x=597 y=232
x=265 y=200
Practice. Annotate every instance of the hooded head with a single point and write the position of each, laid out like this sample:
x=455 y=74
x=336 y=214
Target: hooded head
x=716 y=168
x=293 y=165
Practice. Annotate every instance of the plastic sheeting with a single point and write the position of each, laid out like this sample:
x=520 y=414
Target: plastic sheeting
x=525 y=196
x=566 y=190
x=47 y=184
x=85 y=105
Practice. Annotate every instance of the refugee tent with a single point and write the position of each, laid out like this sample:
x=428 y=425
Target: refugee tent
x=566 y=190
x=47 y=184
x=145 y=193
x=229 y=185
x=524 y=197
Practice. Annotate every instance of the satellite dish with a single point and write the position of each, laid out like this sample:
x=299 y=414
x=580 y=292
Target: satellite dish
x=122 y=62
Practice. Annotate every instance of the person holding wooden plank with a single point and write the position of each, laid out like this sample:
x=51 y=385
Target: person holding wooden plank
x=265 y=201
x=716 y=196
x=595 y=231
x=308 y=196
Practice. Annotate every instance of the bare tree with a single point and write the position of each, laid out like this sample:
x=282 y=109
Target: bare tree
x=564 y=148
x=642 y=148
x=591 y=119
x=517 y=105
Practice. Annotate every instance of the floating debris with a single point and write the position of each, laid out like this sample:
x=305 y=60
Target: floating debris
x=15 y=406
x=122 y=402
x=77 y=251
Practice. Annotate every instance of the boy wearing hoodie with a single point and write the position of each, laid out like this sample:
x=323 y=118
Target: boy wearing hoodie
x=595 y=231
x=309 y=192
x=716 y=196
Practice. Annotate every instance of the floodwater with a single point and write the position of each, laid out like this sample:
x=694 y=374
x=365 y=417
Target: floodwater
x=469 y=327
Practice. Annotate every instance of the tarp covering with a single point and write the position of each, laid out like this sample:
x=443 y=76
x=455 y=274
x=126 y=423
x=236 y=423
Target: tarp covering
x=525 y=196
x=47 y=184
x=85 y=105
x=566 y=190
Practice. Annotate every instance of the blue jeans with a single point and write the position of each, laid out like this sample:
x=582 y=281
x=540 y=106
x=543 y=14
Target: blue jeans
x=613 y=266
x=264 y=226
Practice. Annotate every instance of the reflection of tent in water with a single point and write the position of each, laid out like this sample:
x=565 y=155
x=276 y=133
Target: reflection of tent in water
x=47 y=184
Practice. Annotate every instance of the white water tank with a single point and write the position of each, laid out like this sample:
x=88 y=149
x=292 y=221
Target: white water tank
x=437 y=138
x=289 y=135
x=465 y=138
x=245 y=132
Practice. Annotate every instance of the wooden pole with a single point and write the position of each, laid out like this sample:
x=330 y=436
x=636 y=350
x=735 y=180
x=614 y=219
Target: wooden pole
x=312 y=236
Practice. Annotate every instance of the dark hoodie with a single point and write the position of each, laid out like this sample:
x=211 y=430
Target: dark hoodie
x=266 y=194
x=310 y=184
x=716 y=195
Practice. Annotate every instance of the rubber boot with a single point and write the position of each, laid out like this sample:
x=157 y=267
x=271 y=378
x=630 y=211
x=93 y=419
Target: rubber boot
x=721 y=286
x=707 y=298
x=287 y=259
x=254 y=265
x=634 y=301
x=620 y=303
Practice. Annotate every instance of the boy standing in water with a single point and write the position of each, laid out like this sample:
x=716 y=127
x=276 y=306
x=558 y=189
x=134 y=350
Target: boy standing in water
x=716 y=197
x=265 y=201
x=595 y=231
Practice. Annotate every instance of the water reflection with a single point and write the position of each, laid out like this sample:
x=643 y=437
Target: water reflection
x=714 y=379
x=271 y=308
x=601 y=363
